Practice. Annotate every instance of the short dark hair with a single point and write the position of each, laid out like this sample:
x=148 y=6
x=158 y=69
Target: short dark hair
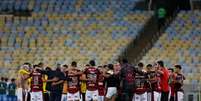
x=171 y=69
x=74 y=64
x=27 y=63
x=92 y=63
x=58 y=69
x=48 y=68
x=6 y=79
x=34 y=66
x=2 y=78
x=40 y=64
x=100 y=66
x=149 y=65
x=178 y=66
x=87 y=65
x=13 y=79
x=140 y=64
x=105 y=66
x=124 y=61
x=110 y=66
x=160 y=63
x=66 y=66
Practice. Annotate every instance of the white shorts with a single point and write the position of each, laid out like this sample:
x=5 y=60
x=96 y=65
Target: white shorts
x=169 y=94
x=37 y=96
x=91 y=95
x=19 y=94
x=100 y=98
x=73 y=96
x=149 y=96
x=140 y=97
x=157 y=96
x=64 y=97
x=180 y=96
x=111 y=91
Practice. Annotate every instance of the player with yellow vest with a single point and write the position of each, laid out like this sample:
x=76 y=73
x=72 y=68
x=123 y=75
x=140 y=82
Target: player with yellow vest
x=23 y=84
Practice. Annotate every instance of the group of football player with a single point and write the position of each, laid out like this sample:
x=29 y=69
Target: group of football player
x=112 y=82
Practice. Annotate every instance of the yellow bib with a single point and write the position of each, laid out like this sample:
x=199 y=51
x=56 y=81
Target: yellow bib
x=44 y=83
x=83 y=87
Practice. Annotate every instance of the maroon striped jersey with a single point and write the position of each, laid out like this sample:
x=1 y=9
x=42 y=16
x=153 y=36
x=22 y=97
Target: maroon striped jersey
x=73 y=83
x=92 y=75
x=36 y=81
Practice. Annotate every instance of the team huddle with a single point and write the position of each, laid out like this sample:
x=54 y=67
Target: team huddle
x=118 y=82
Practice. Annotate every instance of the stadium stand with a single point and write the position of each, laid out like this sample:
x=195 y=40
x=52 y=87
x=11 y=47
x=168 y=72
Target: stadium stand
x=180 y=44
x=67 y=6
x=62 y=31
x=58 y=34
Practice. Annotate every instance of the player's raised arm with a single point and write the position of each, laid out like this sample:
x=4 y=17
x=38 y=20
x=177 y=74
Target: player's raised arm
x=83 y=76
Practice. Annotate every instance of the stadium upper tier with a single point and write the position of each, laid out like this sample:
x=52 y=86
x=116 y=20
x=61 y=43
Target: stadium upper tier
x=61 y=38
x=68 y=6
x=181 y=44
